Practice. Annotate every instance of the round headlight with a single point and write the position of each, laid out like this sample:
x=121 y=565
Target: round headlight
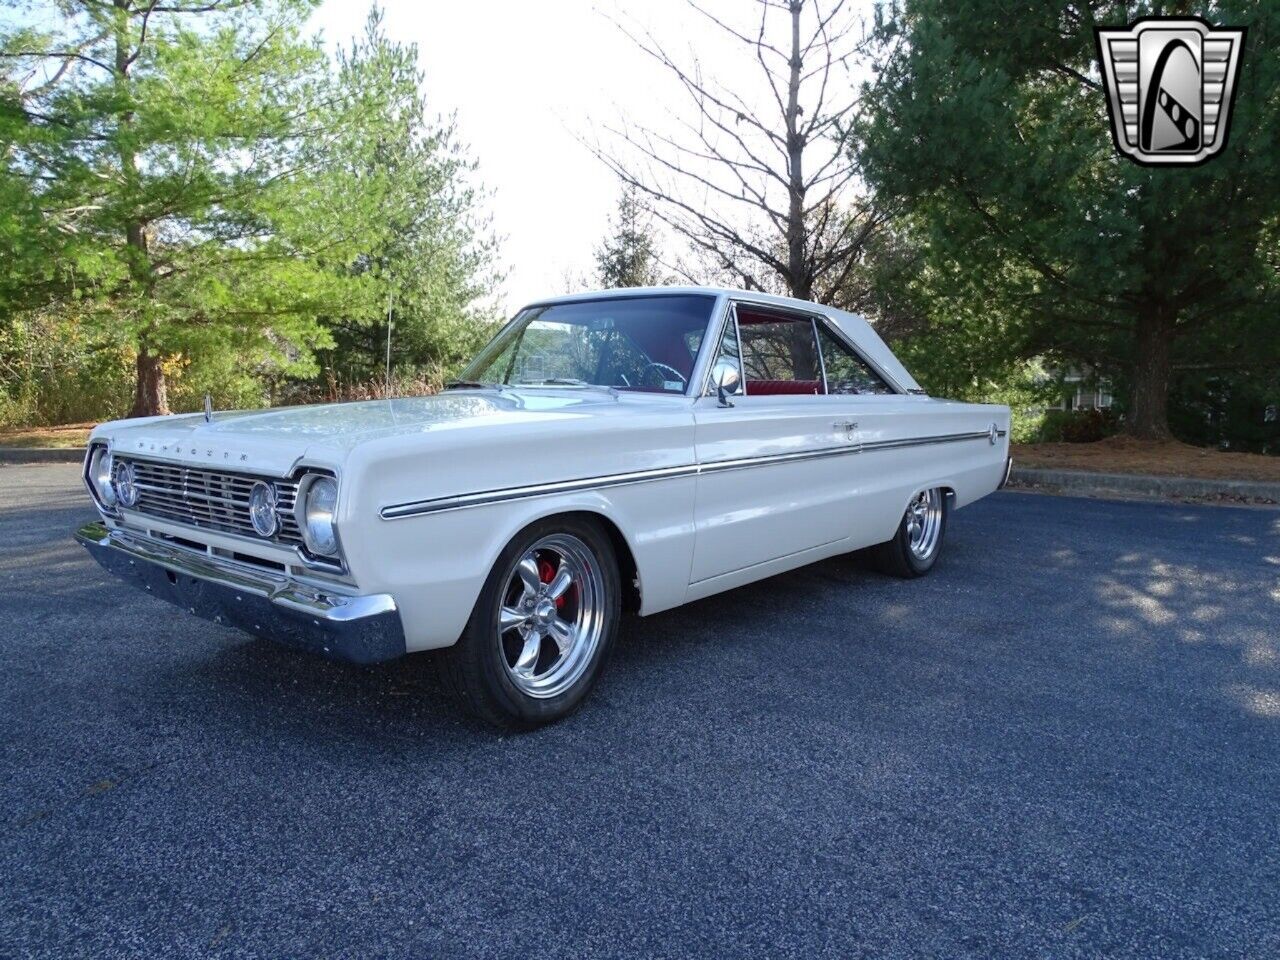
x=262 y=509
x=100 y=475
x=317 y=528
x=125 y=485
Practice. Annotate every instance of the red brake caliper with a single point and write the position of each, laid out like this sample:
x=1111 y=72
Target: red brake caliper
x=547 y=573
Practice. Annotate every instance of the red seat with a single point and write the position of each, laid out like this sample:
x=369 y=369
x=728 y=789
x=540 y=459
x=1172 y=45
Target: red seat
x=767 y=388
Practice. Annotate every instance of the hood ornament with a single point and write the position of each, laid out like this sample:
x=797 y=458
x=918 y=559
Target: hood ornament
x=208 y=408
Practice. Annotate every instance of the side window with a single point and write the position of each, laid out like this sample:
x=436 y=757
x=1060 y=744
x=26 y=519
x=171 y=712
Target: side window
x=727 y=364
x=846 y=371
x=779 y=354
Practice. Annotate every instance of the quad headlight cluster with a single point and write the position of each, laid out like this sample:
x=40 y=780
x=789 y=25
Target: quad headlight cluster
x=114 y=484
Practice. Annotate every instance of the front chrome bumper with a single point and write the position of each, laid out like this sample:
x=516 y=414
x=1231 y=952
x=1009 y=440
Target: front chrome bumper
x=360 y=629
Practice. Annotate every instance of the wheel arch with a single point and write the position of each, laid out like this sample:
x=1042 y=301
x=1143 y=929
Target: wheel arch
x=948 y=492
x=628 y=568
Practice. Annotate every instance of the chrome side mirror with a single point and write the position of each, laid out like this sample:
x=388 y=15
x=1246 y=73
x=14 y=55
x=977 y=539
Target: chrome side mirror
x=724 y=374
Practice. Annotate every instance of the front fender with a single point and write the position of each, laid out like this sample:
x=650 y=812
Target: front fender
x=435 y=565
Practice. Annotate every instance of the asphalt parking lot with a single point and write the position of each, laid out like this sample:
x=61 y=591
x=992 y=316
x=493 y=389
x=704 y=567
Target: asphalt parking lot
x=1065 y=742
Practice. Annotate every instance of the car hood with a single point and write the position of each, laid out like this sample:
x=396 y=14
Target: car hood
x=276 y=439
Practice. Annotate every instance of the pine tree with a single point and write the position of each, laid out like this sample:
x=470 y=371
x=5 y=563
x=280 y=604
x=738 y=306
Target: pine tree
x=1039 y=239
x=626 y=257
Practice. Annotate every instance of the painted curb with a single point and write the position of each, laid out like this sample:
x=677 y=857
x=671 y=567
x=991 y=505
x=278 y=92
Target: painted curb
x=1146 y=485
x=41 y=455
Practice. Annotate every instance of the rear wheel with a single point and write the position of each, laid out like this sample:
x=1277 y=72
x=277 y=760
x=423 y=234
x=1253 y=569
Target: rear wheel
x=542 y=627
x=914 y=549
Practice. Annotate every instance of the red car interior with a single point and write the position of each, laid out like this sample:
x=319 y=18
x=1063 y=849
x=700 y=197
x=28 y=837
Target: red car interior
x=765 y=388
x=772 y=388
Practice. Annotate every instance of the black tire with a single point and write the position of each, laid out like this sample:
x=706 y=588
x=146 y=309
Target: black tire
x=896 y=558
x=475 y=669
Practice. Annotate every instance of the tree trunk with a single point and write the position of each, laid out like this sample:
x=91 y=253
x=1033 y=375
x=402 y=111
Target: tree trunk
x=1148 y=415
x=151 y=396
x=797 y=236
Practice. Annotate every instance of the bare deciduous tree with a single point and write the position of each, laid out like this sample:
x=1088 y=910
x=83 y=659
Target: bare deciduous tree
x=764 y=193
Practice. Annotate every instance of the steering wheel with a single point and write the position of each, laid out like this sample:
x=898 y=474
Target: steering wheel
x=664 y=368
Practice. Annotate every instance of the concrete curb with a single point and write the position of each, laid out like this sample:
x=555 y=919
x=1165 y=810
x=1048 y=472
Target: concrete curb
x=1083 y=481
x=41 y=455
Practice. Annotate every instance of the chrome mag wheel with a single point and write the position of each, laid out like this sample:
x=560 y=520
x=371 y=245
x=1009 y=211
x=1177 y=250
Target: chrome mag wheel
x=552 y=615
x=924 y=523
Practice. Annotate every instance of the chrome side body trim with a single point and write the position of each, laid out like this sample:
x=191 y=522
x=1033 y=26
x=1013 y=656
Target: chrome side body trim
x=417 y=508
x=361 y=629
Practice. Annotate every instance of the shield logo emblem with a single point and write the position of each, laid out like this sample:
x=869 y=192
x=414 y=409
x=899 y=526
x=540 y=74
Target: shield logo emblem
x=1170 y=85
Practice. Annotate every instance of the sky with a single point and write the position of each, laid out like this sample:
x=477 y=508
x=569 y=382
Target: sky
x=529 y=81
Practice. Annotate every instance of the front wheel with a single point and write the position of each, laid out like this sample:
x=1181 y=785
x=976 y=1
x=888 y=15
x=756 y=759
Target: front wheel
x=914 y=549
x=542 y=627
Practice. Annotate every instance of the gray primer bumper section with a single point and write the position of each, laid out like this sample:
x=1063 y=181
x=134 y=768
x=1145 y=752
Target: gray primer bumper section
x=359 y=629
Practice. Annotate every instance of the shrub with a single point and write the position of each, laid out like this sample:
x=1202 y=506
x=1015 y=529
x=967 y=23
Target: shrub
x=52 y=372
x=1077 y=426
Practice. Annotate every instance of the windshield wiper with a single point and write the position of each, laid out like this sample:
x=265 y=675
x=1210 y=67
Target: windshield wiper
x=554 y=382
x=466 y=385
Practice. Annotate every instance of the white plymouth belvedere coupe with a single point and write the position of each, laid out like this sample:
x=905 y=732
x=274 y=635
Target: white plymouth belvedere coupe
x=627 y=450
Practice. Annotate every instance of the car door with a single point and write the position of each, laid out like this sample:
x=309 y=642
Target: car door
x=776 y=474
x=886 y=475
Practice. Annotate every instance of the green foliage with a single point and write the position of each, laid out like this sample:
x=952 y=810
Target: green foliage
x=52 y=370
x=626 y=257
x=1228 y=410
x=1036 y=237
x=203 y=187
x=431 y=257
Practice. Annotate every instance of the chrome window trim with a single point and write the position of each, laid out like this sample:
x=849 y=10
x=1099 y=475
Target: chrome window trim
x=817 y=318
x=707 y=359
x=417 y=508
x=822 y=360
x=701 y=367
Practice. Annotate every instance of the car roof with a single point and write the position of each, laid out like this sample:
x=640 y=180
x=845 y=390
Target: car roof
x=613 y=292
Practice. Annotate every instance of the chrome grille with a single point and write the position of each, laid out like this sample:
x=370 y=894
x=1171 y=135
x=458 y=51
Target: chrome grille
x=210 y=499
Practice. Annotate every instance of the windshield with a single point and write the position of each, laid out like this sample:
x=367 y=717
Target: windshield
x=645 y=344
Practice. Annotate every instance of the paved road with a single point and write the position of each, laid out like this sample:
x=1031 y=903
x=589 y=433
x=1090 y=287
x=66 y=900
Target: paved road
x=1066 y=742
